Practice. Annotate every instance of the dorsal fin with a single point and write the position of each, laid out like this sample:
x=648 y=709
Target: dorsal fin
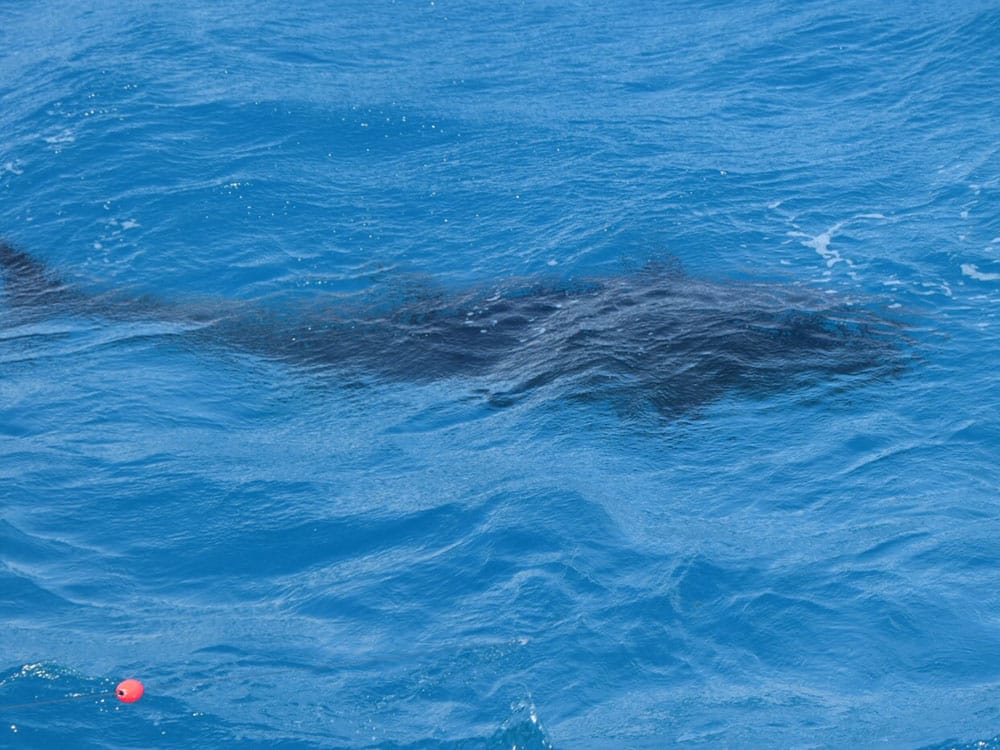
x=27 y=281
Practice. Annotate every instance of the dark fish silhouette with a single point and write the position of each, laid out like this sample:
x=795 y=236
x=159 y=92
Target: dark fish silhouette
x=655 y=336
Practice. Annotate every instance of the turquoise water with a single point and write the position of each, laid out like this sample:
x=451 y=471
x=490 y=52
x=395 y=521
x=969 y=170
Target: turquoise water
x=366 y=554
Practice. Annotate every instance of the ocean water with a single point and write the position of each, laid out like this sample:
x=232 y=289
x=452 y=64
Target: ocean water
x=367 y=554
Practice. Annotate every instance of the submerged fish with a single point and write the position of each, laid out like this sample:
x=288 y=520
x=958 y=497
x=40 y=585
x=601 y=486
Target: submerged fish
x=655 y=336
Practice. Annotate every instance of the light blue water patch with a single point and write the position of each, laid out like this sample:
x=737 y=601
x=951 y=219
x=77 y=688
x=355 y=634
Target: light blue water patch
x=418 y=375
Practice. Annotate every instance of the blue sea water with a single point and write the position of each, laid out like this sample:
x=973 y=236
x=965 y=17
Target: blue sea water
x=299 y=559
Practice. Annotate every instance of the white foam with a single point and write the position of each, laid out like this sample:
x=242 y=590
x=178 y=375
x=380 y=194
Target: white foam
x=970 y=270
x=66 y=136
x=821 y=242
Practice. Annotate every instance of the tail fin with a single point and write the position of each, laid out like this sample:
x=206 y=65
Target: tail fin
x=27 y=282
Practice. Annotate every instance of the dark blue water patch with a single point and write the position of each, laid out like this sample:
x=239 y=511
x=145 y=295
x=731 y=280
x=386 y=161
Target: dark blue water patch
x=48 y=705
x=43 y=702
x=656 y=336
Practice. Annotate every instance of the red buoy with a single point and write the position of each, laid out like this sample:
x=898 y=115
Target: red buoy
x=129 y=691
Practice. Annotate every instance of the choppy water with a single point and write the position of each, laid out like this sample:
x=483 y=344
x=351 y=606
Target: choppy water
x=351 y=558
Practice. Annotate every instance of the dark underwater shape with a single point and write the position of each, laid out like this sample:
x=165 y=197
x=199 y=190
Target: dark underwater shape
x=654 y=337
